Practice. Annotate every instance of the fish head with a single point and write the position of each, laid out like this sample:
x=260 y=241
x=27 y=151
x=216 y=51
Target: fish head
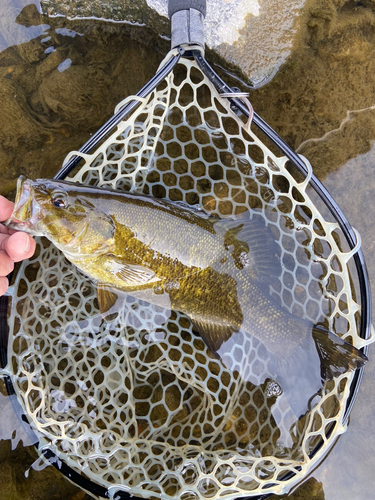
x=63 y=212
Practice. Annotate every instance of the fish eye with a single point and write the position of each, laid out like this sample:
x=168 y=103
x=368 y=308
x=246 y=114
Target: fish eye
x=59 y=200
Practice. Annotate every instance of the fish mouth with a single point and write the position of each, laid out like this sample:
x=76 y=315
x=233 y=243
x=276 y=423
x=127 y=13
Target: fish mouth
x=25 y=214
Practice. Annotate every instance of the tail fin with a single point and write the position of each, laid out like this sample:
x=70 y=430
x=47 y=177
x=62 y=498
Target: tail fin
x=321 y=355
x=300 y=368
x=336 y=355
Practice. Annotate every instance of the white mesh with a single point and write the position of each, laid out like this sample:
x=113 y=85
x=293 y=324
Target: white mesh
x=140 y=403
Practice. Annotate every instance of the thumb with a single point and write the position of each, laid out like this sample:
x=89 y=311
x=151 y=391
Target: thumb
x=18 y=246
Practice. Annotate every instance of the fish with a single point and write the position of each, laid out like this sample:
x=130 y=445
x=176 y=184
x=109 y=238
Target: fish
x=215 y=271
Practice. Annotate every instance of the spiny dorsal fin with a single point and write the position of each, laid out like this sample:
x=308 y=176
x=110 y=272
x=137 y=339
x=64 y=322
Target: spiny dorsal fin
x=254 y=247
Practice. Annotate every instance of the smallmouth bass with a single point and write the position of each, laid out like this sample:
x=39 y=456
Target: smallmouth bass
x=215 y=271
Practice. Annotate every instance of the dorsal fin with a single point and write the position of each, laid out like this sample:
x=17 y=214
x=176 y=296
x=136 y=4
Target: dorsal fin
x=254 y=246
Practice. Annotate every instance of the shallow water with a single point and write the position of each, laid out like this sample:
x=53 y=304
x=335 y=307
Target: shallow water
x=56 y=91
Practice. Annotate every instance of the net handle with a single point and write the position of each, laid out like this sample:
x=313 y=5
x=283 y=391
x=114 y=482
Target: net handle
x=177 y=5
x=187 y=22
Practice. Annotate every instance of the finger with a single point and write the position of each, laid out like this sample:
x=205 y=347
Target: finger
x=6 y=264
x=3 y=285
x=18 y=246
x=6 y=208
x=4 y=230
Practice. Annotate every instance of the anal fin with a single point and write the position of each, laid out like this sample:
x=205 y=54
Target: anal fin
x=213 y=333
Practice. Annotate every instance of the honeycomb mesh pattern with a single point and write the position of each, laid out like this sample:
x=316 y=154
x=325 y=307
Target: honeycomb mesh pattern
x=139 y=403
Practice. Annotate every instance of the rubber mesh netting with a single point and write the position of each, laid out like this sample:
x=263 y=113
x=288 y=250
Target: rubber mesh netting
x=139 y=403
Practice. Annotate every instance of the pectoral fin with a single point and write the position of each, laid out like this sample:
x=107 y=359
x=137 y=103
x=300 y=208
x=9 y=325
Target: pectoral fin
x=132 y=275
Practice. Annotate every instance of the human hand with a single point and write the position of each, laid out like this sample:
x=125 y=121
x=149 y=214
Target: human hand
x=14 y=245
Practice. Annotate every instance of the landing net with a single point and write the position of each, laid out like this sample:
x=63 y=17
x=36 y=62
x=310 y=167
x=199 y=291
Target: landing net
x=139 y=404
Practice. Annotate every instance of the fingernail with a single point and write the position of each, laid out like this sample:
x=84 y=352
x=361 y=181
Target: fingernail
x=26 y=247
